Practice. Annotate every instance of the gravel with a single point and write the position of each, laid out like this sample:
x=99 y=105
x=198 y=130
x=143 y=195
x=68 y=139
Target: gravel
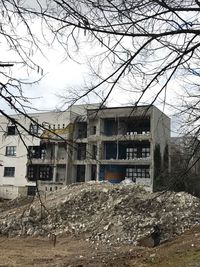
x=102 y=212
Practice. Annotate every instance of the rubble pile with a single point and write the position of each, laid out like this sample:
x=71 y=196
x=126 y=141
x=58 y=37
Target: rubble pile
x=103 y=212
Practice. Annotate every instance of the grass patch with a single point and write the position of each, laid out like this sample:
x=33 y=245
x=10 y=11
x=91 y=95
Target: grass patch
x=181 y=259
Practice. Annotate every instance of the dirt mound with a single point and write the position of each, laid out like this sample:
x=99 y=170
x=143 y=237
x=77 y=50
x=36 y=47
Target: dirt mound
x=104 y=212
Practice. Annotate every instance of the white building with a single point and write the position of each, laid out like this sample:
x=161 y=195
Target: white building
x=14 y=142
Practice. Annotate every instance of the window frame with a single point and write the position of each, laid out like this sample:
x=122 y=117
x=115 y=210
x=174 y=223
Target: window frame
x=9 y=172
x=131 y=152
x=45 y=173
x=137 y=172
x=34 y=128
x=145 y=152
x=10 y=151
x=13 y=131
x=81 y=151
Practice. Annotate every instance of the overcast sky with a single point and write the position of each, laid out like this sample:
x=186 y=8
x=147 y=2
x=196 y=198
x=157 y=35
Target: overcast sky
x=62 y=73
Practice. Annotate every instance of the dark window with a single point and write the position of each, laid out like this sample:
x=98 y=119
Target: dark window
x=94 y=152
x=9 y=171
x=11 y=130
x=110 y=127
x=39 y=172
x=137 y=172
x=81 y=130
x=34 y=152
x=93 y=172
x=145 y=152
x=37 y=152
x=138 y=126
x=94 y=130
x=31 y=173
x=31 y=191
x=42 y=153
x=130 y=174
x=45 y=173
x=131 y=152
x=11 y=151
x=80 y=173
x=34 y=128
x=81 y=151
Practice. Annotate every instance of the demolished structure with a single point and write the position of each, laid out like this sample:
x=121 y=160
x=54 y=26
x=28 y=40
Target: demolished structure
x=85 y=143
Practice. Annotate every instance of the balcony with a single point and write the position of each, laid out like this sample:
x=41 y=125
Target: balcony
x=126 y=152
x=129 y=136
x=140 y=161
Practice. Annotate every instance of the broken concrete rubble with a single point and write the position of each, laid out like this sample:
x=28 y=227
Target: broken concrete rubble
x=103 y=212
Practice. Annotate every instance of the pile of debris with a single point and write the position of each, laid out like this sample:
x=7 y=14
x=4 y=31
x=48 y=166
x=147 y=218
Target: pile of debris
x=103 y=212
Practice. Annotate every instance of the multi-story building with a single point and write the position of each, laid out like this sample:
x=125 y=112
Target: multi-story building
x=25 y=158
x=82 y=144
x=115 y=143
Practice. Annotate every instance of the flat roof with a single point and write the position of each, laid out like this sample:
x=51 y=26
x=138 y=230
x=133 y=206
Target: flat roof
x=139 y=106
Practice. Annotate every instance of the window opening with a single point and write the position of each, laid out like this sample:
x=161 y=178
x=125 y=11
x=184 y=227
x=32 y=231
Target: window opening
x=131 y=152
x=9 y=171
x=94 y=152
x=11 y=130
x=145 y=152
x=34 y=128
x=137 y=172
x=81 y=151
x=11 y=151
x=94 y=130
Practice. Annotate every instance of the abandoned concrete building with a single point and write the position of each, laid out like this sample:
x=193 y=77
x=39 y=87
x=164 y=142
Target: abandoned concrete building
x=83 y=144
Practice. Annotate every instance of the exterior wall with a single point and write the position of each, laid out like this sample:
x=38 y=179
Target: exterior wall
x=11 y=192
x=160 y=130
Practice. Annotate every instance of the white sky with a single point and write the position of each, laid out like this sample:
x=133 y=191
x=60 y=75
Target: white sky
x=61 y=75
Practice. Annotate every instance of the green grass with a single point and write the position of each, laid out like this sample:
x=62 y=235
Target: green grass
x=176 y=260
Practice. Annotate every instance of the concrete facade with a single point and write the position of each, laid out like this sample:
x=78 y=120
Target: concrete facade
x=120 y=143
x=82 y=143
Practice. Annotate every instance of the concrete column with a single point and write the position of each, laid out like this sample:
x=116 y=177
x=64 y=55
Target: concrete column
x=54 y=165
x=98 y=130
x=98 y=170
x=88 y=151
x=88 y=172
x=54 y=173
x=73 y=174
x=66 y=165
x=99 y=151
x=151 y=172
